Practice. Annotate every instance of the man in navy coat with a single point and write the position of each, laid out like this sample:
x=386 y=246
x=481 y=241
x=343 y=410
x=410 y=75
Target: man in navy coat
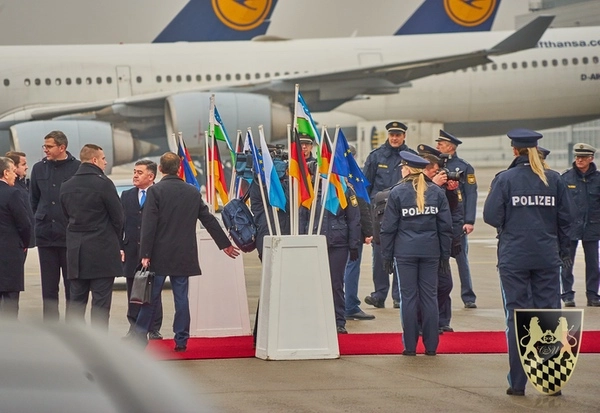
x=169 y=246
x=133 y=200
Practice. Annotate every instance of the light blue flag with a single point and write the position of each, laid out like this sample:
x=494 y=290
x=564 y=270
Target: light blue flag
x=272 y=183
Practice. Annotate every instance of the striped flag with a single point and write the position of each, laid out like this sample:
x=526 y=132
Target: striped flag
x=214 y=159
x=299 y=170
x=187 y=170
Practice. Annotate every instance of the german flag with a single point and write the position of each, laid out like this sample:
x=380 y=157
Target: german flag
x=219 y=177
x=299 y=170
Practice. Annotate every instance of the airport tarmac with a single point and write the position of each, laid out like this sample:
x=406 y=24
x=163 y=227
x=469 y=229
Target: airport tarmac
x=445 y=383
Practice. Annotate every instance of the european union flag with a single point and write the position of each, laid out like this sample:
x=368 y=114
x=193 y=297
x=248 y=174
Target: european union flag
x=355 y=175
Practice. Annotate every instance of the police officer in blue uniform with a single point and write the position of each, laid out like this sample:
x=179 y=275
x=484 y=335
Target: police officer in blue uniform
x=447 y=144
x=416 y=236
x=531 y=209
x=583 y=181
x=383 y=169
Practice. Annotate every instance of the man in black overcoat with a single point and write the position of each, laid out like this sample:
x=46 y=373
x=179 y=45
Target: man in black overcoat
x=94 y=215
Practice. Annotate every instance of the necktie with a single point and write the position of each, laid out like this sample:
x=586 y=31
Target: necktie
x=143 y=198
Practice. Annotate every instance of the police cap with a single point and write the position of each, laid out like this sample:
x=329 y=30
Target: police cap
x=396 y=127
x=524 y=138
x=429 y=153
x=412 y=160
x=583 y=149
x=305 y=138
x=545 y=152
x=447 y=137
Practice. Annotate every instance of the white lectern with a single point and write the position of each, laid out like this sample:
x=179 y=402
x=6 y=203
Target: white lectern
x=296 y=318
x=218 y=300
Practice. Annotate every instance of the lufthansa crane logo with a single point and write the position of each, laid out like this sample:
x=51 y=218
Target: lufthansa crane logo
x=242 y=15
x=469 y=13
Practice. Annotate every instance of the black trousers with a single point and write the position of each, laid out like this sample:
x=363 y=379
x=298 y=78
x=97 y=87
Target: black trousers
x=337 y=266
x=52 y=261
x=9 y=304
x=134 y=309
x=101 y=289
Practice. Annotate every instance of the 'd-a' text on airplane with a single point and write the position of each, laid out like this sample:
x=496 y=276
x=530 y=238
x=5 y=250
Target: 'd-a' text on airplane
x=134 y=96
x=27 y=22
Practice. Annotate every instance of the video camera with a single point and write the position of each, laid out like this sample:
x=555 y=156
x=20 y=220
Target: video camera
x=278 y=152
x=452 y=175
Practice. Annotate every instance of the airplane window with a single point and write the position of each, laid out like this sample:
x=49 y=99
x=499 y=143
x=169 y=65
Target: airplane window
x=99 y=80
x=575 y=61
x=178 y=78
x=198 y=78
x=169 y=78
x=504 y=66
x=88 y=80
x=514 y=65
x=6 y=82
x=544 y=63
x=158 y=79
x=218 y=77
x=565 y=62
x=584 y=60
x=524 y=65
x=78 y=80
x=484 y=67
x=68 y=81
x=554 y=62
x=48 y=82
x=38 y=82
x=276 y=73
x=138 y=79
x=57 y=81
x=109 y=80
x=257 y=75
x=595 y=59
x=474 y=68
x=248 y=76
x=267 y=75
x=534 y=63
x=494 y=66
x=286 y=73
x=238 y=76
x=27 y=82
x=188 y=78
x=208 y=78
x=227 y=76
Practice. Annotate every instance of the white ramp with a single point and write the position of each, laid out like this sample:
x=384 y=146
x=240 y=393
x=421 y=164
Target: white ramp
x=218 y=300
x=296 y=319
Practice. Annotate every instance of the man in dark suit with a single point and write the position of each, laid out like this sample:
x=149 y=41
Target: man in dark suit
x=94 y=215
x=22 y=183
x=15 y=227
x=144 y=173
x=169 y=246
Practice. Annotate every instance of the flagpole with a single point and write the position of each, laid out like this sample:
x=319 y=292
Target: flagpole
x=207 y=174
x=315 y=190
x=232 y=184
x=292 y=192
x=294 y=188
x=326 y=189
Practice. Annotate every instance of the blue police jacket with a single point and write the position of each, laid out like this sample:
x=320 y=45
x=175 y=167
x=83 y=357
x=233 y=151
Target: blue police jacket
x=46 y=180
x=584 y=189
x=382 y=167
x=533 y=220
x=468 y=186
x=406 y=232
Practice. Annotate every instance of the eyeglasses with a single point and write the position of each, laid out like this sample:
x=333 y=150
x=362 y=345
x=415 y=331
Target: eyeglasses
x=49 y=146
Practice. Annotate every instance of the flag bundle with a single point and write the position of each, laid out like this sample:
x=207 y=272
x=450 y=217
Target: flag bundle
x=187 y=170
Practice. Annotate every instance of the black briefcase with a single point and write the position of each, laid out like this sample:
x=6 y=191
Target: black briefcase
x=141 y=290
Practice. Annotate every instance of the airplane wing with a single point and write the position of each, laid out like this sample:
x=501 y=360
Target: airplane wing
x=323 y=91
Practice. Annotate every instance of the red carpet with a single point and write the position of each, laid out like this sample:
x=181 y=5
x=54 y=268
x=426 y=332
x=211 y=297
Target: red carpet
x=472 y=342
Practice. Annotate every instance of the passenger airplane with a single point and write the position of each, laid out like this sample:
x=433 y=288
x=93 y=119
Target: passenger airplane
x=146 y=21
x=138 y=94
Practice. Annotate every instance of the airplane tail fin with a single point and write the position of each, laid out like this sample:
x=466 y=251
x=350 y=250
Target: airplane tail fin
x=451 y=16
x=204 y=20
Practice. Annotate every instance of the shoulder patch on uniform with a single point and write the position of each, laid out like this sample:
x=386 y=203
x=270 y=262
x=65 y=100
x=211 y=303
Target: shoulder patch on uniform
x=471 y=179
x=382 y=165
x=353 y=200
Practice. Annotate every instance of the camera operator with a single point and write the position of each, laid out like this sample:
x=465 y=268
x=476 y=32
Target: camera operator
x=436 y=172
x=447 y=144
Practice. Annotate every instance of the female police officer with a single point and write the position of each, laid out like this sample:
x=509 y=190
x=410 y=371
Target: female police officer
x=416 y=235
x=530 y=208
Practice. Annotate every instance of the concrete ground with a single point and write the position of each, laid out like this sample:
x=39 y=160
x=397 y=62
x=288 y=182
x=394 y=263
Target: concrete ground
x=445 y=383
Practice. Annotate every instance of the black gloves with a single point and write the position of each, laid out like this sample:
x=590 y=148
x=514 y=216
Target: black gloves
x=444 y=268
x=353 y=254
x=567 y=262
x=456 y=247
x=388 y=266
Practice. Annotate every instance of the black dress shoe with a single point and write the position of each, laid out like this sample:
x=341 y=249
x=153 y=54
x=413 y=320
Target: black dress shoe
x=594 y=302
x=396 y=304
x=470 y=304
x=447 y=329
x=342 y=330
x=569 y=303
x=514 y=392
x=360 y=315
x=430 y=353
x=180 y=349
x=374 y=302
x=155 y=335
x=409 y=353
